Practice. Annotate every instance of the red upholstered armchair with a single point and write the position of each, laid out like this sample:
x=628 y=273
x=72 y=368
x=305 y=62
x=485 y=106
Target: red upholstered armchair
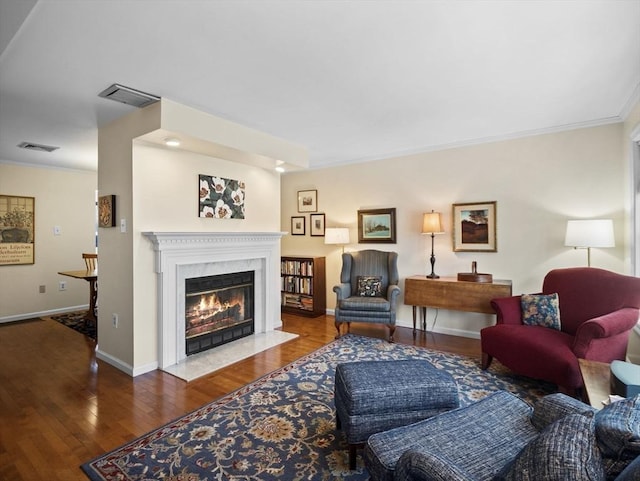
x=597 y=310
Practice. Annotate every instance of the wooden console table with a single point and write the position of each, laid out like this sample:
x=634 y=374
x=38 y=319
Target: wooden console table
x=450 y=293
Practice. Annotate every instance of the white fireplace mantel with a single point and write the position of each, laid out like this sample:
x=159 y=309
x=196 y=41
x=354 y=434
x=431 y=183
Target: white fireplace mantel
x=183 y=255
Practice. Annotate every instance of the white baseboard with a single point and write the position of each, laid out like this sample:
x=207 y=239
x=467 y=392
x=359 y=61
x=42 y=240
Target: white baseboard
x=123 y=366
x=51 y=312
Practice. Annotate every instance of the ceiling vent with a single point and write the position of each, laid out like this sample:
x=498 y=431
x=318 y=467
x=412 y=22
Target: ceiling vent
x=38 y=147
x=129 y=96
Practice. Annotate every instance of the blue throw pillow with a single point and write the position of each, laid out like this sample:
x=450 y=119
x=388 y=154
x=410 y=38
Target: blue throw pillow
x=541 y=310
x=565 y=450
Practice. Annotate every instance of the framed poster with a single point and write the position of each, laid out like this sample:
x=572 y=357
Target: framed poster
x=377 y=226
x=307 y=201
x=107 y=211
x=298 y=225
x=17 y=227
x=474 y=227
x=316 y=222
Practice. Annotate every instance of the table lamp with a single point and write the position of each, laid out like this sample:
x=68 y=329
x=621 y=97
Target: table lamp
x=432 y=224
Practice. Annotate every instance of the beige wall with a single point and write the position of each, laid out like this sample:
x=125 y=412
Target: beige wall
x=165 y=185
x=63 y=198
x=158 y=191
x=538 y=182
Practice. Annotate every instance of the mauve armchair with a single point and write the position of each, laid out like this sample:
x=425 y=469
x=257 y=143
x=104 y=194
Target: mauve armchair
x=356 y=301
x=598 y=309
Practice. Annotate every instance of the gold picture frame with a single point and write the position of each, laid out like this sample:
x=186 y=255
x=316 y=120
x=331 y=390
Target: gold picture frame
x=474 y=227
x=17 y=230
x=307 y=201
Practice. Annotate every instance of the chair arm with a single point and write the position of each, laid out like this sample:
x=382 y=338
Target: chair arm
x=418 y=466
x=556 y=406
x=342 y=290
x=608 y=325
x=508 y=310
x=393 y=291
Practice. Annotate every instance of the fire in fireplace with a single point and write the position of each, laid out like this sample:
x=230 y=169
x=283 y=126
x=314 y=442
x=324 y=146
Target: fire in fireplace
x=218 y=310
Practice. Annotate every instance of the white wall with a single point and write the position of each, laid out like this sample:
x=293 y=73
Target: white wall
x=538 y=182
x=64 y=198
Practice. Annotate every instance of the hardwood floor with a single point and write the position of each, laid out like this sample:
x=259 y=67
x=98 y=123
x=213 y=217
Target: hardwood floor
x=60 y=407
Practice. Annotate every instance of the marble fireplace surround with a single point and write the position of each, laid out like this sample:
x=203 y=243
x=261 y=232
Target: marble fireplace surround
x=183 y=255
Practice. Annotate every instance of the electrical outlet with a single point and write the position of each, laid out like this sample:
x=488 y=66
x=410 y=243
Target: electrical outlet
x=62 y=286
x=114 y=318
x=42 y=289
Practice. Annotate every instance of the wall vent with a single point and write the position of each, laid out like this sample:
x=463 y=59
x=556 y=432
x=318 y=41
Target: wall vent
x=129 y=96
x=38 y=147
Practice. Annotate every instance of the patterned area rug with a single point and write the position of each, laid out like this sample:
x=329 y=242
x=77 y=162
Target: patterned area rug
x=282 y=427
x=75 y=320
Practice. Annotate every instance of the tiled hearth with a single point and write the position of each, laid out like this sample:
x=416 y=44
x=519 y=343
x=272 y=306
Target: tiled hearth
x=183 y=255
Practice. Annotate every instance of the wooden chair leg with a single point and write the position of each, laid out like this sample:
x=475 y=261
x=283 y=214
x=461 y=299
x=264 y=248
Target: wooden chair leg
x=486 y=361
x=392 y=330
x=338 y=324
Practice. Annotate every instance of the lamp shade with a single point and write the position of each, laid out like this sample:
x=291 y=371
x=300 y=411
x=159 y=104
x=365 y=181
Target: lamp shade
x=432 y=223
x=590 y=233
x=336 y=235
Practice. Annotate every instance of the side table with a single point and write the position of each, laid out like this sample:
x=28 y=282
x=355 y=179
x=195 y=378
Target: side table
x=597 y=381
x=450 y=293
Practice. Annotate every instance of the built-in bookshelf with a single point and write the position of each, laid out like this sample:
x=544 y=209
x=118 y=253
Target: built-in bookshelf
x=303 y=290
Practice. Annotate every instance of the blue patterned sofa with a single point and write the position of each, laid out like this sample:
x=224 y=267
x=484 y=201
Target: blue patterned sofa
x=502 y=438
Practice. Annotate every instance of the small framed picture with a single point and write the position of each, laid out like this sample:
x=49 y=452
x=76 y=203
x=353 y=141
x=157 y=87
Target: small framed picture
x=298 y=225
x=474 y=227
x=316 y=222
x=307 y=201
x=107 y=211
x=377 y=226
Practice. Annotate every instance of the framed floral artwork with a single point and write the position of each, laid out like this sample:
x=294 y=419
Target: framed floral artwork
x=377 y=226
x=307 y=201
x=298 y=225
x=316 y=225
x=474 y=227
x=221 y=198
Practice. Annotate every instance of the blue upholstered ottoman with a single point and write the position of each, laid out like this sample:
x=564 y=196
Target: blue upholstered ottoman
x=374 y=396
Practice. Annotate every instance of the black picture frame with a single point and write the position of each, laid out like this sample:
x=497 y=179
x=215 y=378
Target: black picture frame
x=298 y=225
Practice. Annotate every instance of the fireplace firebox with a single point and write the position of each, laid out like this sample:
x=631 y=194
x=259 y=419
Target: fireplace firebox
x=218 y=309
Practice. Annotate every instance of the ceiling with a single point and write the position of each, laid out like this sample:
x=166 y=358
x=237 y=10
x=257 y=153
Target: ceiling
x=350 y=80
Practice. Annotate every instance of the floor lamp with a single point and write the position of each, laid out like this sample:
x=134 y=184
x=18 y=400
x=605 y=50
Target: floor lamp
x=588 y=233
x=432 y=224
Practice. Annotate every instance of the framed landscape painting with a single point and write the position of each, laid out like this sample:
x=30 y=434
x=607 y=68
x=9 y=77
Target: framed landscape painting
x=316 y=227
x=298 y=225
x=474 y=227
x=377 y=226
x=307 y=201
